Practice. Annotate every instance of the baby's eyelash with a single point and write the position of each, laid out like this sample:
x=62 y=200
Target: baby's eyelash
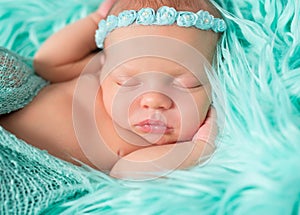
x=181 y=87
x=181 y=84
x=128 y=82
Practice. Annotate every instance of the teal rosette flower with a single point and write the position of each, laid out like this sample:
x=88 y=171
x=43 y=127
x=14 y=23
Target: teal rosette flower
x=99 y=38
x=111 y=23
x=145 y=16
x=204 y=21
x=101 y=33
x=166 y=15
x=218 y=25
x=126 y=18
x=186 y=19
x=102 y=26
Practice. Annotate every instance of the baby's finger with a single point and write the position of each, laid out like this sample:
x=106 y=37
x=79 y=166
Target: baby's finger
x=105 y=7
x=209 y=129
x=211 y=115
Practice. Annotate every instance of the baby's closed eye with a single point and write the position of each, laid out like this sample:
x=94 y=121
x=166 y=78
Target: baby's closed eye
x=126 y=81
x=182 y=82
x=186 y=83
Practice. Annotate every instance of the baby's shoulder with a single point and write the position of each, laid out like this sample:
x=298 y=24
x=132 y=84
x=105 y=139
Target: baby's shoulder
x=82 y=83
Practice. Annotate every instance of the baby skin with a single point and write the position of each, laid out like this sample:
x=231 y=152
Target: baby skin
x=48 y=121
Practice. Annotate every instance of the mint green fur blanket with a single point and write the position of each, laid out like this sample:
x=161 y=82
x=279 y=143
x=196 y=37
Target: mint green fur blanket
x=256 y=168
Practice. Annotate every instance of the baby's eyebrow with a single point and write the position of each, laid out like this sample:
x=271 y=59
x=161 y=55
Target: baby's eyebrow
x=124 y=70
x=121 y=73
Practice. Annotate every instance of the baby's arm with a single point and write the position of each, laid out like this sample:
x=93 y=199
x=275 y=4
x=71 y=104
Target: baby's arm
x=64 y=55
x=153 y=161
x=156 y=160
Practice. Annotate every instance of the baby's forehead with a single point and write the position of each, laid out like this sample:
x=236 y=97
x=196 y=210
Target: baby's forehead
x=162 y=38
x=150 y=64
x=155 y=53
x=154 y=68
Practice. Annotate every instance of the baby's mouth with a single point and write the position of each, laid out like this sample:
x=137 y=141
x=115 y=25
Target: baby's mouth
x=153 y=126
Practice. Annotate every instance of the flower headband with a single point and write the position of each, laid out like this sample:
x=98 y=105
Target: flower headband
x=202 y=20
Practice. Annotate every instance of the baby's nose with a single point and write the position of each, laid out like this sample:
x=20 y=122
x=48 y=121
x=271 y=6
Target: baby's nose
x=155 y=100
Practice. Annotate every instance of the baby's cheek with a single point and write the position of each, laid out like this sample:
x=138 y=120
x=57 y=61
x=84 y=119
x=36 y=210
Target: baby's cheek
x=203 y=113
x=203 y=104
x=108 y=95
x=191 y=121
x=107 y=104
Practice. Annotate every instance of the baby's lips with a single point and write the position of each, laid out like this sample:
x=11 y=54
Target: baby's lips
x=153 y=126
x=151 y=122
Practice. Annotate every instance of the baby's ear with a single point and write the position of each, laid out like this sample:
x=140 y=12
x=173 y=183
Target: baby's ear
x=102 y=57
x=101 y=62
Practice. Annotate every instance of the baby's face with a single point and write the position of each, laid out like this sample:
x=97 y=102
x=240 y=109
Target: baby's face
x=156 y=98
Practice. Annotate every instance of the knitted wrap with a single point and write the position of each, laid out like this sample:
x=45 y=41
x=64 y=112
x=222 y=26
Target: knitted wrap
x=32 y=180
x=18 y=82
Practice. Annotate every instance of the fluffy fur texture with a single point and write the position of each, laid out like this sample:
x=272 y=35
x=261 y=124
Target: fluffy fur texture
x=255 y=169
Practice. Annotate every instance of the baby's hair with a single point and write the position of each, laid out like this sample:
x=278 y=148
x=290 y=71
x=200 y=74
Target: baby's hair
x=179 y=5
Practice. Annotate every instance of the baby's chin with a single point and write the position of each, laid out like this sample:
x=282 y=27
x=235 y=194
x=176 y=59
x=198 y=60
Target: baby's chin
x=164 y=139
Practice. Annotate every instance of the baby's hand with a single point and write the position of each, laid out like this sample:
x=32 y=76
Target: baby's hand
x=155 y=161
x=209 y=129
x=105 y=7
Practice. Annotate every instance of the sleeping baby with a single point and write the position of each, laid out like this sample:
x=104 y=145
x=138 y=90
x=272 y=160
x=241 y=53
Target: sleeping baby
x=137 y=107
